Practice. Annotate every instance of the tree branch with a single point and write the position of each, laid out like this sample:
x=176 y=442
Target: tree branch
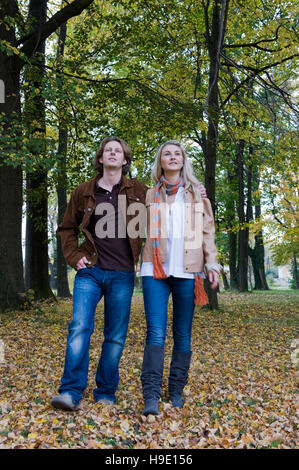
x=255 y=71
x=290 y=205
x=279 y=221
x=256 y=44
x=108 y=81
x=63 y=15
x=207 y=23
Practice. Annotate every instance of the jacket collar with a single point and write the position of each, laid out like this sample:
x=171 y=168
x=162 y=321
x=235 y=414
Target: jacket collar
x=126 y=183
x=88 y=189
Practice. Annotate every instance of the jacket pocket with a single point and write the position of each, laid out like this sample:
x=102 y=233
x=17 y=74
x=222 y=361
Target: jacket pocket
x=134 y=199
x=193 y=226
x=198 y=217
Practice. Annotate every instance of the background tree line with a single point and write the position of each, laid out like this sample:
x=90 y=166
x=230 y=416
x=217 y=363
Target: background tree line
x=219 y=75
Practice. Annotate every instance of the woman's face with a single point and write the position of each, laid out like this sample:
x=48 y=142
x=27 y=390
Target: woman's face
x=172 y=158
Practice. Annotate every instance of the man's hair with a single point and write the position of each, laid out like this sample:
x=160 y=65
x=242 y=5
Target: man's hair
x=127 y=154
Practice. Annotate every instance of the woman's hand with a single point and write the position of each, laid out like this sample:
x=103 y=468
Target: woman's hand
x=214 y=279
x=202 y=190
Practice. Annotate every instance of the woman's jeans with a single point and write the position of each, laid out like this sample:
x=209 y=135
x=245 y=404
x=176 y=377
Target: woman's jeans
x=156 y=295
x=89 y=287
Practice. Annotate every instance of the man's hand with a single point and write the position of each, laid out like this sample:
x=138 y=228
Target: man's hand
x=214 y=279
x=82 y=263
x=202 y=190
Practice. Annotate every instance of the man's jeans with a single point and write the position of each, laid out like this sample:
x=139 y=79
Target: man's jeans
x=156 y=294
x=89 y=287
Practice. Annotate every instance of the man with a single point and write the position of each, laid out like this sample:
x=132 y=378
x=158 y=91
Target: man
x=105 y=267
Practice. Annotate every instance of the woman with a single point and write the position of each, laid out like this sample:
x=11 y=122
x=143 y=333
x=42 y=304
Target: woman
x=179 y=248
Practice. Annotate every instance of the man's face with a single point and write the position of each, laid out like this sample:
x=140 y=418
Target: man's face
x=113 y=155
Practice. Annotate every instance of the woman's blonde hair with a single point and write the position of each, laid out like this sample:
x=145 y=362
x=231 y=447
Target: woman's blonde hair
x=190 y=179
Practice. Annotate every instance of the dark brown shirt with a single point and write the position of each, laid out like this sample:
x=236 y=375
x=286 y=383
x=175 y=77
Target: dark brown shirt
x=109 y=232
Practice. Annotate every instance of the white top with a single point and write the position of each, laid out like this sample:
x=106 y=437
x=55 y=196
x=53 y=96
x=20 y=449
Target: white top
x=174 y=264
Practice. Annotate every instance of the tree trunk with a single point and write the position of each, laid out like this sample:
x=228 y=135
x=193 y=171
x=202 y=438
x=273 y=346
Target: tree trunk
x=224 y=279
x=62 y=278
x=11 y=260
x=52 y=262
x=230 y=217
x=249 y=274
x=243 y=231
x=214 y=38
x=257 y=254
x=295 y=272
x=36 y=257
x=233 y=255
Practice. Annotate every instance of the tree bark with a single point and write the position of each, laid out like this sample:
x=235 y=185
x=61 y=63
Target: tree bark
x=11 y=263
x=230 y=217
x=233 y=256
x=52 y=262
x=62 y=278
x=257 y=258
x=214 y=38
x=295 y=272
x=257 y=254
x=243 y=231
x=224 y=279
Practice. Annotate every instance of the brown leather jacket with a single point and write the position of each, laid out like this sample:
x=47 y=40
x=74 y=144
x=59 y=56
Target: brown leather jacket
x=76 y=218
x=200 y=253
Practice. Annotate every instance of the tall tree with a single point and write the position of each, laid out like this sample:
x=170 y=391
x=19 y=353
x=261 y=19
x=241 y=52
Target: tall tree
x=13 y=56
x=36 y=246
x=11 y=264
x=214 y=35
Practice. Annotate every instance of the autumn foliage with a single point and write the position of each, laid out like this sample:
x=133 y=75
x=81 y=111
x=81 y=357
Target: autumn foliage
x=241 y=393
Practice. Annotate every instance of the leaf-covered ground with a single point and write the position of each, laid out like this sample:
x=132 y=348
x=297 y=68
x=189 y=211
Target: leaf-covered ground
x=242 y=390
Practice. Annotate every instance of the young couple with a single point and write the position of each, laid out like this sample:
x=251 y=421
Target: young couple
x=178 y=252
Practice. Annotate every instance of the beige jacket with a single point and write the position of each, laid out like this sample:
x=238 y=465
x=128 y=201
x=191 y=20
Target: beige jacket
x=200 y=251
